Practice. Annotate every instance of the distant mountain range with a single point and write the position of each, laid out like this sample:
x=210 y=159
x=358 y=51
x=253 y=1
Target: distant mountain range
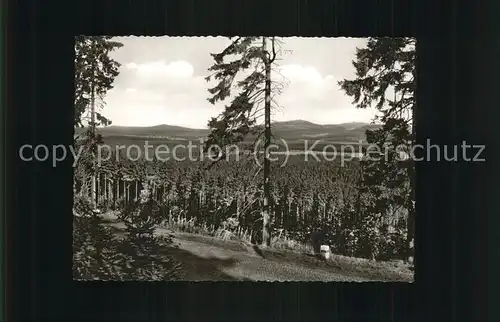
x=296 y=130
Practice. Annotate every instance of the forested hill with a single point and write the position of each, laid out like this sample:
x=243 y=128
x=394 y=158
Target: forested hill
x=287 y=130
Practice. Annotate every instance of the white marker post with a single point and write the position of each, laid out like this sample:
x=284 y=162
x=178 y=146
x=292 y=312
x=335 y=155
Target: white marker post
x=325 y=252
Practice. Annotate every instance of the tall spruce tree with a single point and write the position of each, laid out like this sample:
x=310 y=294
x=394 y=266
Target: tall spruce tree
x=388 y=65
x=239 y=118
x=95 y=72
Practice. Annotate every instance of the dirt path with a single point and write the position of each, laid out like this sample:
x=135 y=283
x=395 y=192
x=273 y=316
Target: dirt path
x=204 y=261
x=208 y=259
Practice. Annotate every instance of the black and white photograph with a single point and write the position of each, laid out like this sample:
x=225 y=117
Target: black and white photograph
x=244 y=159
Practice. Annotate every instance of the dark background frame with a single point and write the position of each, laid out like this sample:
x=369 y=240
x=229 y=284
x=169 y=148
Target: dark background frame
x=458 y=65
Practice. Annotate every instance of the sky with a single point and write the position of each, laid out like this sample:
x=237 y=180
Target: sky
x=161 y=81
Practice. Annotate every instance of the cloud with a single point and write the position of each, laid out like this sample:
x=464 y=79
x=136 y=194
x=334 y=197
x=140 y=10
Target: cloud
x=159 y=87
x=318 y=98
x=160 y=76
x=176 y=69
x=301 y=74
x=168 y=92
x=158 y=92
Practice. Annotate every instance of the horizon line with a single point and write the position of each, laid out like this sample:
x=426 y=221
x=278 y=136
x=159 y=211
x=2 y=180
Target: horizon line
x=206 y=128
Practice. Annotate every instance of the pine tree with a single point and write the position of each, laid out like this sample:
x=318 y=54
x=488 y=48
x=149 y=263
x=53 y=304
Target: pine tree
x=388 y=65
x=239 y=118
x=95 y=73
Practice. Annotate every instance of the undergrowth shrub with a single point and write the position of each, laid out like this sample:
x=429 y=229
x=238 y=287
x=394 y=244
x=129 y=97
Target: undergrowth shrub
x=94 y=246
x=105 y=205
x=351 y=234
x=98 y=254
x=393 y=244
x=141 y=218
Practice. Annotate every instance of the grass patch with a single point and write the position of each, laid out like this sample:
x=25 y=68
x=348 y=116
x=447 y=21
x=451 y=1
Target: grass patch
x=349 y=266
x=282 y=249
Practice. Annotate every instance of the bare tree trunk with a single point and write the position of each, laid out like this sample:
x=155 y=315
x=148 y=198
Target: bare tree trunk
x=410 y=237
x=110 y=188
x=266 y=236
x=114 y=194
x=105 y=184
x=94 y=169
x=238 y=206
x=117 y=194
